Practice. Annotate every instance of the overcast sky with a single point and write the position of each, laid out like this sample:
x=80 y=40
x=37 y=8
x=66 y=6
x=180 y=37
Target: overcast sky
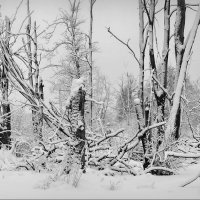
x=121 y=15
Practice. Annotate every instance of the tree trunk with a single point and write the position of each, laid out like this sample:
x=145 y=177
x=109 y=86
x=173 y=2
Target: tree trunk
x=145 y=140
x=6 y=123
x=151 y=13
x=150 y=29
x=159 y=93
x=165 y=51
x=78 y=128
x=147 y=147
x=170 y=130
x=37 y=116
x=28 y=31
x=142 y=53
x=91 y=60
x=179 y=51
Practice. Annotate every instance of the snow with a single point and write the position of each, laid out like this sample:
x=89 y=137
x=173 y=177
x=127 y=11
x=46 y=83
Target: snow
x=76 y=85
x=95 y=184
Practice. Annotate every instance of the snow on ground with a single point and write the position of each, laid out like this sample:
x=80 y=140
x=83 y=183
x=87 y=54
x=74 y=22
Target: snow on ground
x=94 y=184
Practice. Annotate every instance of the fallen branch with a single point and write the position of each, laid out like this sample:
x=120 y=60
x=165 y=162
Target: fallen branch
x=125 y=148
x=107 y=137
x=141 y=133
x=183 y=155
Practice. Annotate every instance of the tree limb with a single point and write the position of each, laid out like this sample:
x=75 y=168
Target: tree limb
x=126 y=44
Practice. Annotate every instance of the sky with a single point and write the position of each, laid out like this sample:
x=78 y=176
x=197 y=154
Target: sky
x=113 y=59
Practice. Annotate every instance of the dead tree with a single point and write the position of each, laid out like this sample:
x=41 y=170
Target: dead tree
x=160 y=85
x=37 y=116
x=144 y=138
x=76 y=113
x=170 y=129
x=33 y=74
x=92 y=2
x=29 y=52
x=160 y=94
x=179 y=50
x=146 y=141
x=142 y=45
x=5 y=105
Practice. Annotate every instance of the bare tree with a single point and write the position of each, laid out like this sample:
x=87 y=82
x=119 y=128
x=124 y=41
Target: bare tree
x=29 y=52
x=169 y=133
x=92 y=2
x=33 y=72
x=5 y=105
x=142 y=45
x=37 y=116
x=179 y=50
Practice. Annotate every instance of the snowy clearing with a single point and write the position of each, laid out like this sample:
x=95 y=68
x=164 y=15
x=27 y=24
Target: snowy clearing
x=94 y=184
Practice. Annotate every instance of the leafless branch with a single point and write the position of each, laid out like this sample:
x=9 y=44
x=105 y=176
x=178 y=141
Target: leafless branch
x=126 y=44
x=182 y=155
x=146 y=10
x=164 y=90
x=107 y=137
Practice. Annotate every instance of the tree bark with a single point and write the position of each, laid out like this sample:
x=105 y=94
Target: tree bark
x=37 y=116
x=151 y=40
x=145 y=140
x=6 y=123
x=179 y=51
x=78 y=128
x=142 y=53
x=165 y=51
x=28 y=31
x=179 y=36
x=159 y=93
x=151 y=14
x=170 y=133
x=92 y=2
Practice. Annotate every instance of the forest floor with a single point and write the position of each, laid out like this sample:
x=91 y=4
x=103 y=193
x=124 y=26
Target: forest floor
x=96 y=185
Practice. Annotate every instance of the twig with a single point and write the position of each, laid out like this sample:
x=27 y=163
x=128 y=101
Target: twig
x=147 y=12
x=126 y=44
x=107 y=137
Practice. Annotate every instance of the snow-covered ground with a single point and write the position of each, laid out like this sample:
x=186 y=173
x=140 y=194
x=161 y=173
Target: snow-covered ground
x=94 y=184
